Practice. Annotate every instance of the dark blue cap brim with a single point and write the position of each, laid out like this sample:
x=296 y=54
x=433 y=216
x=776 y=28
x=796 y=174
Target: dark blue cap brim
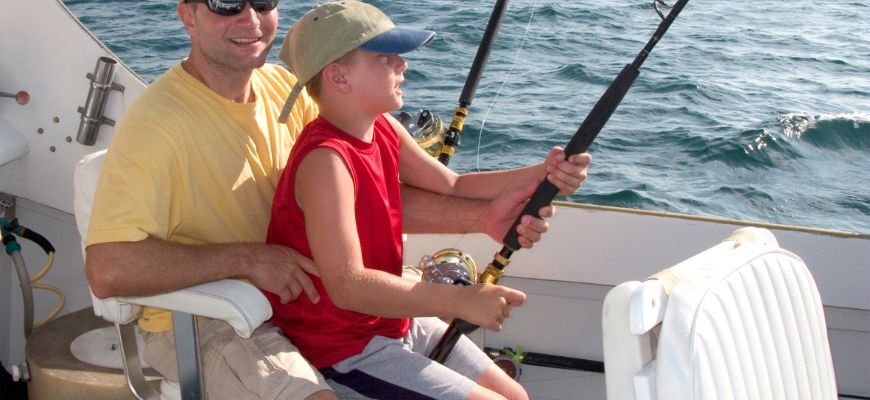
x=398 y=41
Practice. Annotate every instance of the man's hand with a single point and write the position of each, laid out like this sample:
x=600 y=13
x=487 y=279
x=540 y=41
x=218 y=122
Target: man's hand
x=282 y=271
x=567 y=175
x=503 y=211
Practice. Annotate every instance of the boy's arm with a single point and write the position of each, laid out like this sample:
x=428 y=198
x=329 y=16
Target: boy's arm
x=426 y=182
x=420 y=170
x=322 y=192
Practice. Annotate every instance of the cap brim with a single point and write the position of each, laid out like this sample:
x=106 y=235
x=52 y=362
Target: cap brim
x=398 y=41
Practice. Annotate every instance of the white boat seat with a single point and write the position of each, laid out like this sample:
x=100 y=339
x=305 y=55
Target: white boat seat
x=238 y=303
x=741 y=320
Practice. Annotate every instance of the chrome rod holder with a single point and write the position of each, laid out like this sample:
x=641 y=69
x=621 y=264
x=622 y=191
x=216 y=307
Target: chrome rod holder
x=92 y=112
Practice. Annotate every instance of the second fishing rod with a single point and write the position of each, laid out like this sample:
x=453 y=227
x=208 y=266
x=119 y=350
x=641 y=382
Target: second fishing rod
x=451 y=135
x=426 y=128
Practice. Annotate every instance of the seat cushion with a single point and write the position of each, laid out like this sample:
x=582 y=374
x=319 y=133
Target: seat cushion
x=749 y=325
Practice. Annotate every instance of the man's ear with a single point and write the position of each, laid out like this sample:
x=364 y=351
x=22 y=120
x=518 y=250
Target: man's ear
x=333 y=76
x=185 y=14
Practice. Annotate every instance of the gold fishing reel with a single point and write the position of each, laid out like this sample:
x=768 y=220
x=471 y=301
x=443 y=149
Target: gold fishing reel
x=450 y=266
x=426 y=128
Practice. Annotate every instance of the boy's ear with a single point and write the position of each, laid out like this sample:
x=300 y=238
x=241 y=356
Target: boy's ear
x=333 y=77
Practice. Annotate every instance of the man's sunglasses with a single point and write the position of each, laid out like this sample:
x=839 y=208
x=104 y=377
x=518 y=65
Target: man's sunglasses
x=233 y=7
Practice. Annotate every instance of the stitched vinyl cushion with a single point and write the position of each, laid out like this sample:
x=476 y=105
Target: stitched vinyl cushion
x=750 y=326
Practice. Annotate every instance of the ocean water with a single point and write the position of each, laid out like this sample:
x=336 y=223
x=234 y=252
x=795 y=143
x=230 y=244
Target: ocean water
x=755 y=110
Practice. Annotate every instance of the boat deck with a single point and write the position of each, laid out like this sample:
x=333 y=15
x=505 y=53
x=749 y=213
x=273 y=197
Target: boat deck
x=560 y=384
x=544 y=383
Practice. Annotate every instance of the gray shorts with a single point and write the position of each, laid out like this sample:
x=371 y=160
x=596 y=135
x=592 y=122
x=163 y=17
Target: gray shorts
x=399 y=369
x=266 y=366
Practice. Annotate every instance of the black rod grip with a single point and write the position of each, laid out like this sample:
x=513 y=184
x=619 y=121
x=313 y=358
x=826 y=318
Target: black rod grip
x=455 y=331
x=602 y=111
x=579 y=143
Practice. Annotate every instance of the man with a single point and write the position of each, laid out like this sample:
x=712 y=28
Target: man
x=186 y=191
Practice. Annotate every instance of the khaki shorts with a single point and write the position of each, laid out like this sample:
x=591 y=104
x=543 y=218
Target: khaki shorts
x=266 y=366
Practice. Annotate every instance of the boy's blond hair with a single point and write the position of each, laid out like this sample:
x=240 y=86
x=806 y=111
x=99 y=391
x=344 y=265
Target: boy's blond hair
x=331 y=30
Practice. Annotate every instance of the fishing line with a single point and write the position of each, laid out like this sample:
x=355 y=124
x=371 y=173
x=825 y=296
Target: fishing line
x=504 y=82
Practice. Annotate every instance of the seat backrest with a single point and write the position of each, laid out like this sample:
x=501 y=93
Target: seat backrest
x=87 y=174
x=238 y=303
x=741 y=321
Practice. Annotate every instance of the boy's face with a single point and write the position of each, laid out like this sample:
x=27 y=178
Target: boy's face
x=377 y=79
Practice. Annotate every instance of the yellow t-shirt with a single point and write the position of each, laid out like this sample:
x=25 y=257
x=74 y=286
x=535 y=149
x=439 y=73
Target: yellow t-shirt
x=189 y=166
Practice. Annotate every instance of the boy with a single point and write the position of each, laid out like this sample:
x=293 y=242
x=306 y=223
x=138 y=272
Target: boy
x=338 y=201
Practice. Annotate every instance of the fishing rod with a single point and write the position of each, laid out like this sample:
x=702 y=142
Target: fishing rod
x=430 y=131
x=451 y=136
x=546 y=191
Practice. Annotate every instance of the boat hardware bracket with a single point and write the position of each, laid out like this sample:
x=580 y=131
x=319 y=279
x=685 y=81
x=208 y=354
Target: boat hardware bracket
x=7 y=205
x=20 y=372
x=21 y=97
x=92 y=112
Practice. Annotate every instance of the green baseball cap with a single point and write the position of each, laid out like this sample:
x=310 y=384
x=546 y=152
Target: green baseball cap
x=331 y=30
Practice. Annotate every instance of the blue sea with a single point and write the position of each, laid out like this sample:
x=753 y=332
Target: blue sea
x=754 y=110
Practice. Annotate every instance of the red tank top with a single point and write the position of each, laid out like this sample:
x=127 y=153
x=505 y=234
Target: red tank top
x=324 y=333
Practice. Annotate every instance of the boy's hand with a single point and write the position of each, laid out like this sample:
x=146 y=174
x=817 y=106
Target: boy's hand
x=567 y=175
x=489 y=305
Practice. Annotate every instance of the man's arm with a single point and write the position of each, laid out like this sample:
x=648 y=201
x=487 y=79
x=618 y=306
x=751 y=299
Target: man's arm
x=427 y=212
x=153 y=266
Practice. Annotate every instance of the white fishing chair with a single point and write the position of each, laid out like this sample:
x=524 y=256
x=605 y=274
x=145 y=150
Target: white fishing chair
x=741 y=320
x=238 y=303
